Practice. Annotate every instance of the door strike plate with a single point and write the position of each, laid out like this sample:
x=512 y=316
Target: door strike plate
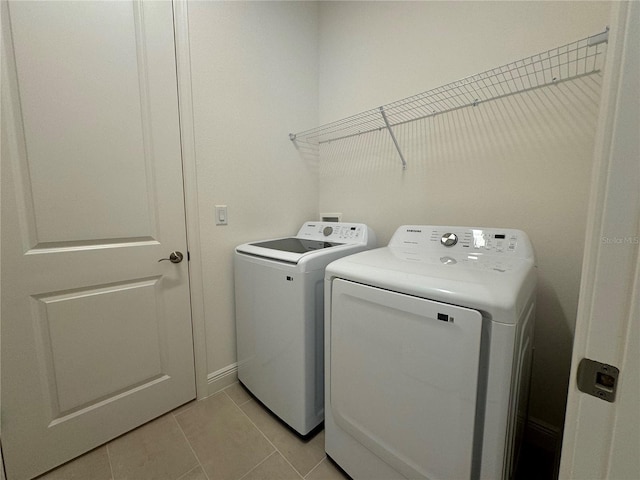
x=598 y=379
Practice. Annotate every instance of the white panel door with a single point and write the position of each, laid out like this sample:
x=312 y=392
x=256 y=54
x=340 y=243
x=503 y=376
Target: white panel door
x=404 y=378
x=96 y=332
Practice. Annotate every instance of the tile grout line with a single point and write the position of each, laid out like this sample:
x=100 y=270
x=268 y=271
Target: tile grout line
x=187 y=473
x=191 y=448
x=311 y=471
x=113 y=477
x=184 y=408
x=229 y=387
x=262 y=433
x=260 y=463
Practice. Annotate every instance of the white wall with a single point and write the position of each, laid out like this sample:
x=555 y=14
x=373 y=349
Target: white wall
x=255 y=79
x=521 y=162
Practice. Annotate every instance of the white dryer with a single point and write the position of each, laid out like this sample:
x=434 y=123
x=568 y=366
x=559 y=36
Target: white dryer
x=279 y=316
x=428 y=346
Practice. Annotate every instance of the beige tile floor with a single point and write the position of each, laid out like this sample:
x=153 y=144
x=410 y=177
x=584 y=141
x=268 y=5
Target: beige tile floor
x=228 y=436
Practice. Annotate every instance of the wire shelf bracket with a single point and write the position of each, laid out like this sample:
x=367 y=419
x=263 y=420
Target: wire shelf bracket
x=393 y=137
x=568 y=62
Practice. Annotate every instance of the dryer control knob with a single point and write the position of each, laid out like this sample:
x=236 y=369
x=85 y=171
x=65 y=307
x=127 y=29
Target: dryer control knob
x=449 y=239
x=327 y=231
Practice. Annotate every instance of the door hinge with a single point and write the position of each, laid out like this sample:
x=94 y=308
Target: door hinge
x=598 y=379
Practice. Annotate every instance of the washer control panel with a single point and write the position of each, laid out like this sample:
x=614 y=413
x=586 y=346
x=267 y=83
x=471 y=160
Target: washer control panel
x=334 y=232
x=464 y=240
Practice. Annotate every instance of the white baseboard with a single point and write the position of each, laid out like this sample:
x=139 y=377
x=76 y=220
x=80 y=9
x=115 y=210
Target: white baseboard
x=222 y=378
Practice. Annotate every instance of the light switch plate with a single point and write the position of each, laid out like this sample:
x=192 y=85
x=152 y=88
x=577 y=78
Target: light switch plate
x=221 y=215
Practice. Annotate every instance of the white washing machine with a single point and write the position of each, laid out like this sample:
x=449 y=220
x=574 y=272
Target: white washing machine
x=428 y=346
x=279 y=316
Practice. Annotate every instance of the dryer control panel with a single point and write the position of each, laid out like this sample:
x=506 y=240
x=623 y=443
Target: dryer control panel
x=464 y=240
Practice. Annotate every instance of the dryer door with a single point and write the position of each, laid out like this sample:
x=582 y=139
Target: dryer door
x=404 y=376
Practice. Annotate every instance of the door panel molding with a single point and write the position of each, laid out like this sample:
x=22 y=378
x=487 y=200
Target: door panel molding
x=14 y=139
x=145 y=110
x=61 y=247
x=61 y=318
x=84 y=116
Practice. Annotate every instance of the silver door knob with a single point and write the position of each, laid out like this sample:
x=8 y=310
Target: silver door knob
x=174 y=257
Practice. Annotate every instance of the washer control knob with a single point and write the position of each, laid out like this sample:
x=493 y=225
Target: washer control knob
x=449 y=239
x=327 y=231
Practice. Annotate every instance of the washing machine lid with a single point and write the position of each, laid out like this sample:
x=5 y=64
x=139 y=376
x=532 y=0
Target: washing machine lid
x=485 y=275
x=288 y=249
x=295 y=245
x=330 y=240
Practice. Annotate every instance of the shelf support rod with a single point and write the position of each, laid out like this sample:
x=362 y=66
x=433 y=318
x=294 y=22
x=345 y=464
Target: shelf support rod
x=393 y=137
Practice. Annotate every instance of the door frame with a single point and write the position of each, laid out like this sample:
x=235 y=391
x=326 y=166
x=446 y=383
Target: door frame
x=609 y=302
x=187 y=135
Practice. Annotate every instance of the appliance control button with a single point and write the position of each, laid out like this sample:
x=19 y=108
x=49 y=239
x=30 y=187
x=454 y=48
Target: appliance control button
x=449 y=239
x=448 y=260
x=327 y=231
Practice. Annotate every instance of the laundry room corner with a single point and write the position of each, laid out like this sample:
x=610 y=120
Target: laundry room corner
x=523 y=161
x=254 y=79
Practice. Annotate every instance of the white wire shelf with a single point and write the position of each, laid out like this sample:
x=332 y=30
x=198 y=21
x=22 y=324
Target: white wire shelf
x=568 y=62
